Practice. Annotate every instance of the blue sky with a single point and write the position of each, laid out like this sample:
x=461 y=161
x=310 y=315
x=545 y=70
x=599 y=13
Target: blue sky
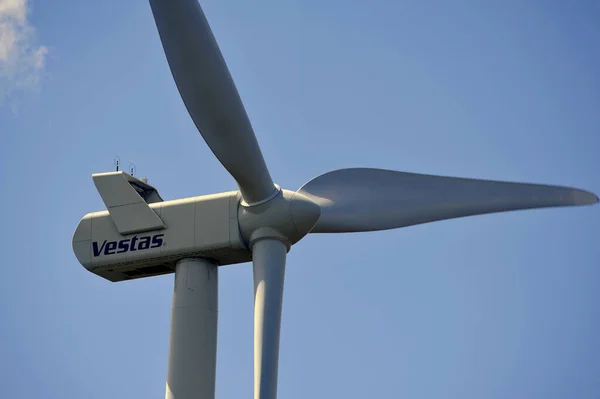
x=492 y=306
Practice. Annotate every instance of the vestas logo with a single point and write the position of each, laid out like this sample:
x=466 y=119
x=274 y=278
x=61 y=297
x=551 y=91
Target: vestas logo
x=129 y=244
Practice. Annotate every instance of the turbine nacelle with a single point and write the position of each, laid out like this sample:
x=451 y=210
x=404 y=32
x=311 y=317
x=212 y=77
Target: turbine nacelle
x=134 y=238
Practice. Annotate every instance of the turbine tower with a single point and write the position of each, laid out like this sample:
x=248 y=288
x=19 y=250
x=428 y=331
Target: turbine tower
x=140 y=235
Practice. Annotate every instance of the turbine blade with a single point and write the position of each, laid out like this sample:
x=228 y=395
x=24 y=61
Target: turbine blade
x=268 y=257
x=210 y=95
x=364 y=199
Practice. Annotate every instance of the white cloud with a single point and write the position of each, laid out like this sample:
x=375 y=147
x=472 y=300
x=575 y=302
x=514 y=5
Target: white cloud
x=22 y=60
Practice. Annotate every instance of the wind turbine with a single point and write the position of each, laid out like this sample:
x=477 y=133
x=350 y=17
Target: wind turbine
x=140 y=235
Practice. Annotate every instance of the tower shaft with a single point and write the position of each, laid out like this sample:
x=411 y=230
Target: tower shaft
x=193 y=343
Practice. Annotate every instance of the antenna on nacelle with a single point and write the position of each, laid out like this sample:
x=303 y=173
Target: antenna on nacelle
x=131 y=168
x=116 y=161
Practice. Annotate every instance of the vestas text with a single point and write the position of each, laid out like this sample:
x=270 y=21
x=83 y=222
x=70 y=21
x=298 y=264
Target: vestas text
x=129 y=244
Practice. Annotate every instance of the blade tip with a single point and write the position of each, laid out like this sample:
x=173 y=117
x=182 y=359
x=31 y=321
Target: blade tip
x=582 y=197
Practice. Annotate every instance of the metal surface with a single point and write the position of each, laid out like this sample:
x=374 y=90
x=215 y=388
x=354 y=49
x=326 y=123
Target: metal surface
x=193 y=343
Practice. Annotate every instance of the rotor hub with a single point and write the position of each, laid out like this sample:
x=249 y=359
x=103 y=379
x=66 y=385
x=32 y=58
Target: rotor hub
x=288 y=217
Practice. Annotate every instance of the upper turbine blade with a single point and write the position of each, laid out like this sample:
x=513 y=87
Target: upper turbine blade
x=210 y=95
x=363 y=199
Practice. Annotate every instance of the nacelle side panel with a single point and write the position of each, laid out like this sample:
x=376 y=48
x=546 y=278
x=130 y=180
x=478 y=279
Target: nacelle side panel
x=204 y=226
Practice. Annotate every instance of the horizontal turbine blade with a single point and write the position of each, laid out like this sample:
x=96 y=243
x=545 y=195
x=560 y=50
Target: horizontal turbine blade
x=210 y=95
x=361 y=199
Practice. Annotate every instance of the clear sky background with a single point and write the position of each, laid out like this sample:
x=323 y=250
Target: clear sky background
x=496 y=306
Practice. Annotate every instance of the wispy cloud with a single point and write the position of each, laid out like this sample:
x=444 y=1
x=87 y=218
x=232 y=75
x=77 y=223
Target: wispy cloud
x=22 y=59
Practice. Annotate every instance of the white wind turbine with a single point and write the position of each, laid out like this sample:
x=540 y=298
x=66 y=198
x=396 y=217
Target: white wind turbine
x=141 y=235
